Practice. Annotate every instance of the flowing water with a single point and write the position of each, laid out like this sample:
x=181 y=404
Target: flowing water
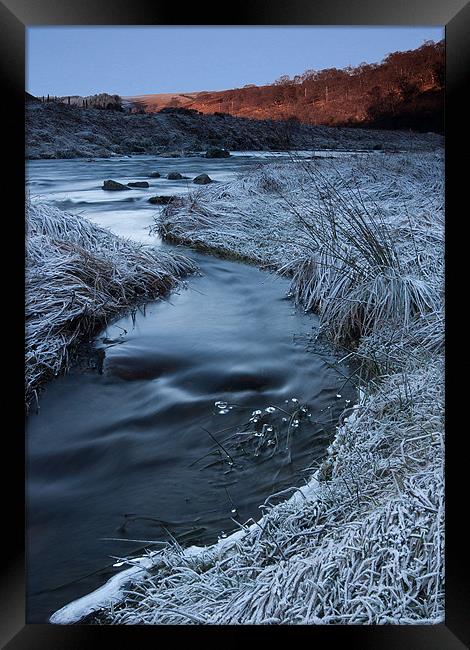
x=156 y=433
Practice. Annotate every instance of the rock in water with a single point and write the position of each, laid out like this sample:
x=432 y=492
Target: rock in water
x=154 y=174
x=174 y=176
x=217 y=153
x=138 y=184
x=161 y=200
x=113 y=185
x=202 y=179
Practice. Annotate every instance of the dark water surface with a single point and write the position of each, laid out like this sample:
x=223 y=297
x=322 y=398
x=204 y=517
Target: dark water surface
x=124 y=450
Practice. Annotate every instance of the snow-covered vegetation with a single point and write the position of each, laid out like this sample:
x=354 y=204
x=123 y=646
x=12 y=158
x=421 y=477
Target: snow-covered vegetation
x=362 y=239
x=79 y=275
x=55 y=130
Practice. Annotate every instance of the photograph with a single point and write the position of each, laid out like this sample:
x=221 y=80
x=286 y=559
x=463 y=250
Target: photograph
x=234 y=325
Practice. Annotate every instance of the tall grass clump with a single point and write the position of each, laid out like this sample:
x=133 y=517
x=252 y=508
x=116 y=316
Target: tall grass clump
x=78 y=276
x=360 y=272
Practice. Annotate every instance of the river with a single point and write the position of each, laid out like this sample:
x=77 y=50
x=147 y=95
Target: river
x=156 y=433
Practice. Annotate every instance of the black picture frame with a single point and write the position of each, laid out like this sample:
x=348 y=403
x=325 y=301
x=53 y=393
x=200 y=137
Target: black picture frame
x=16 y=15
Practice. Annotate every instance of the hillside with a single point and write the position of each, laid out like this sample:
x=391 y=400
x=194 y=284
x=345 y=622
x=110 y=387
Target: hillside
x=55 y=130
x=155 y=103
x=405 y=90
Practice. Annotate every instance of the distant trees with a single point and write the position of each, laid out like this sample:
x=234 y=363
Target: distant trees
x=438 y=74
x=283 y=80
x=405 y=89
x=102 y=101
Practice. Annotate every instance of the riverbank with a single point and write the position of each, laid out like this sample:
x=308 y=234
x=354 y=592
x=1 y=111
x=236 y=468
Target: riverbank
x=78 y=276
x=60 y=131
x=362 y=239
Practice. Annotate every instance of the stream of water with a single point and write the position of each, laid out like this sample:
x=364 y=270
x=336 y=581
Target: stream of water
x=157 y=433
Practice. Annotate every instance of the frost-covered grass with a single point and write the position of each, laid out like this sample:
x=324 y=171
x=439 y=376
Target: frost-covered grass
x=362 y=239
x=78 y=276
x=61 y=131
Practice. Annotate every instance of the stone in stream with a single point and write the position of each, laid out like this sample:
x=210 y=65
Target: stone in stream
x=154 y=175
x=174 y=176
x=161 y=200
x=217 y=153
x=113 y=185
x=202 y=179
x=138 y=184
